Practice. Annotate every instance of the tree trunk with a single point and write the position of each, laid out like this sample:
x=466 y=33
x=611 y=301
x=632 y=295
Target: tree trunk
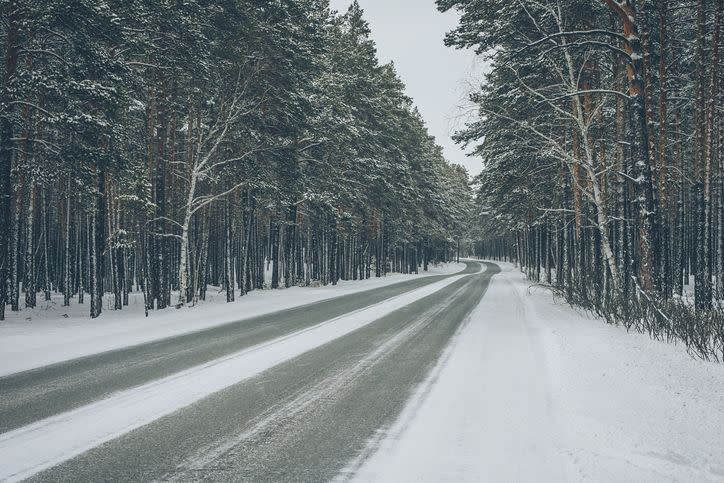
x=626 y=11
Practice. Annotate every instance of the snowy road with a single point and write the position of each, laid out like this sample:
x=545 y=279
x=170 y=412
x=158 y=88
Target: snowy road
x=314 y=411
x=466 y=377
x=531 y=390
x=32 y=395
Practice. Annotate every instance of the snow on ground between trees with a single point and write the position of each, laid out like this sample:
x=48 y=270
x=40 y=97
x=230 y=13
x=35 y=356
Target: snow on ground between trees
x=52 y=333
x=532 y=390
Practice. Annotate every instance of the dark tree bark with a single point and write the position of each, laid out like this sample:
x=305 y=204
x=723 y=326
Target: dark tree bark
x=6 y=153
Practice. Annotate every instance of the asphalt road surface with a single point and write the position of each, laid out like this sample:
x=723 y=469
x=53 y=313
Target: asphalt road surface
x=36 y=394
x=302 y=420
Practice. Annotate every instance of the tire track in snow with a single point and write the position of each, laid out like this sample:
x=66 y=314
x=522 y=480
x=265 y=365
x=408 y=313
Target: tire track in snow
x=325 y=389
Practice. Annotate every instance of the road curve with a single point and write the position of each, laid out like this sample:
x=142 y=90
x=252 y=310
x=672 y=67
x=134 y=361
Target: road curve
x=302 y=420
x=36 y=394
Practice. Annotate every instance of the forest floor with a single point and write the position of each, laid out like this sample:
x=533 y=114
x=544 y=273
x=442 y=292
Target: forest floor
x=533 y=390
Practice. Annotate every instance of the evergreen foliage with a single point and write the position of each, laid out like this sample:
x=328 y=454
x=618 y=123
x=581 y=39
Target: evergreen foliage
x=169 y=146
x=602 y=137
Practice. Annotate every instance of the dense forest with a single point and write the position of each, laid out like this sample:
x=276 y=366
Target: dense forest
x=602 y=135
x=165 y=146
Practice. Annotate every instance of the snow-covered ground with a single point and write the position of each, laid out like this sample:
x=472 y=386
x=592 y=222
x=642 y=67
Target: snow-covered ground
x=43 y=444
x=532 y=390
x=52 y=333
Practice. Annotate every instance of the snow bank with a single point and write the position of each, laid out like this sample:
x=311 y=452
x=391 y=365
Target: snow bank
x=531 y=390
x=32 y=448
x=52 y=333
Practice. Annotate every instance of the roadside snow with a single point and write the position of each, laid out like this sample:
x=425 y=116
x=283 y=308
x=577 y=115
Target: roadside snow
x=52 y=333
x=32 y=448
x=531 y=390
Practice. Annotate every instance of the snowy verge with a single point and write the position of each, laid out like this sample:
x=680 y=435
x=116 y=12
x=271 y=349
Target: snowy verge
x=52 y=333
x=32 y=448
x=533 y=390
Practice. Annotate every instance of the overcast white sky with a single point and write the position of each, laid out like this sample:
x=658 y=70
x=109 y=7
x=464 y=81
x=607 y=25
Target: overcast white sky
x=410 y=33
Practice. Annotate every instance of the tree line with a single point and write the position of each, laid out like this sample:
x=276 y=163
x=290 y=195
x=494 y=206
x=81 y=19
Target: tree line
x=602 y=135
x=164 y=147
